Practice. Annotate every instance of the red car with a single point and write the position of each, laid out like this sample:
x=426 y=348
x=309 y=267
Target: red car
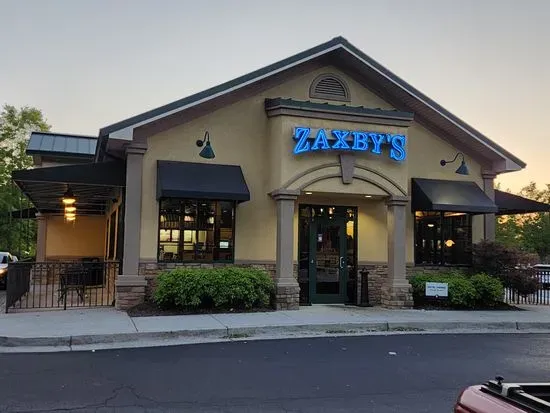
x=495 y=396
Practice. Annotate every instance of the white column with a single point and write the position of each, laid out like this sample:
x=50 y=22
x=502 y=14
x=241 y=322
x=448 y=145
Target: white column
x=396 y=292
x=489 y=220
x=132 y=208
x=40 y=237
x=288 y=290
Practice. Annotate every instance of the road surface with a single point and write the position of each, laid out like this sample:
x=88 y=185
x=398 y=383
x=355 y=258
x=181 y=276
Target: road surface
x=382 y=374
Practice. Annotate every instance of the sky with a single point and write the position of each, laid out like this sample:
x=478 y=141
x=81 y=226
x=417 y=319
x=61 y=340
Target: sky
x=87 y=64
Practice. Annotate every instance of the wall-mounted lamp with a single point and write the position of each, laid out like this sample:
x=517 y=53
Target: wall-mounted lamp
x=462 y=169
x=206 y=152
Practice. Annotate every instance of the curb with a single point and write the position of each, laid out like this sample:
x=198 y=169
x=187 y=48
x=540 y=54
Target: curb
x=237 y=333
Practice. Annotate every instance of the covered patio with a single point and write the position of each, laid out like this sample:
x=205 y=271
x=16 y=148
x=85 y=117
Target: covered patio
x=80 y=220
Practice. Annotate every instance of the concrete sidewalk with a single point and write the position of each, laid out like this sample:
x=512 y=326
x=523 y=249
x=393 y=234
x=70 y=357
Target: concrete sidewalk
x=107 y=328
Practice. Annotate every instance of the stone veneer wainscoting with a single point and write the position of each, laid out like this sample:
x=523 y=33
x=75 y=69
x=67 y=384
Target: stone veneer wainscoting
x=377 y=276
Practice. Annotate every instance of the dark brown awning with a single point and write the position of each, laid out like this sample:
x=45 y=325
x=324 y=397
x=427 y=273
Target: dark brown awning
x=509 y=204
x=451 y=196
x=201 y=181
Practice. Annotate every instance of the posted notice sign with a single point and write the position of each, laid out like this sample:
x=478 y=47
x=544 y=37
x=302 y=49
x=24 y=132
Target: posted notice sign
x=437 y=289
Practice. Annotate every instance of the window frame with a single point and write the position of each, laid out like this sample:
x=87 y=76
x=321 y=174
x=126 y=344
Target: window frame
x=181 y=230
x=440 y=255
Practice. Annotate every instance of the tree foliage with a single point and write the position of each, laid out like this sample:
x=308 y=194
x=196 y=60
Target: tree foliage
x=17 y=236
x=528 y=232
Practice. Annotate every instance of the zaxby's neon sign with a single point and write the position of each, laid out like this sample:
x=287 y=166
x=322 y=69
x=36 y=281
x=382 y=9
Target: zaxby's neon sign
x=346 y=140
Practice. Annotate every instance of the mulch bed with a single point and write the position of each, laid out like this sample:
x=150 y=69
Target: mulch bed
x=150 y=309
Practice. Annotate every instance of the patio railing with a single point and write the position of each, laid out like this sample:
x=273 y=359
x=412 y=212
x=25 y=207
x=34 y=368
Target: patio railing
x=539 y=297
x=35 y=285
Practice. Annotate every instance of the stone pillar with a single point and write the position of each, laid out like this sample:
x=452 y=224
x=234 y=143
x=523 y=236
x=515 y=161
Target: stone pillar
x=130 y=287
x=396 y=293
x=489 y=220
x=40 y=237
x=288 y=290
x=130 y=291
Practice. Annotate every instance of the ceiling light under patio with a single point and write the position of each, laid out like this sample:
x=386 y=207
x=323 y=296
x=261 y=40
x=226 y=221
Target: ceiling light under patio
x=68 y=197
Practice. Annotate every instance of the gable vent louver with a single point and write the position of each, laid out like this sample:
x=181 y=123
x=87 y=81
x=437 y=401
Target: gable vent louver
x=329 y=87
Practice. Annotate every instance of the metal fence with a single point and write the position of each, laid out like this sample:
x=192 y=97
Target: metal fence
x=538 y=287
x=62 y=285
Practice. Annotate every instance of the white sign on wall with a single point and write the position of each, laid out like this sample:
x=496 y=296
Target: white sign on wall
x=437 y=289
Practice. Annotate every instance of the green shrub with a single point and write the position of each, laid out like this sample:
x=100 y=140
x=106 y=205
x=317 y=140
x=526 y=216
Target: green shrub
x=490 y=290
x=214 y=288
x=479 y=290
x=462 y=292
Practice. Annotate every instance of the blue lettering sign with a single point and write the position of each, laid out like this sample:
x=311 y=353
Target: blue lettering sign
x=301 y=134
x=360 y=141
x=397 y=150
x=321 y=141
x=377 y=139
x=340 y=136
x=346 y=140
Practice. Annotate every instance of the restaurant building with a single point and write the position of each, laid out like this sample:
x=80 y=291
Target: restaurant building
x=315 y=168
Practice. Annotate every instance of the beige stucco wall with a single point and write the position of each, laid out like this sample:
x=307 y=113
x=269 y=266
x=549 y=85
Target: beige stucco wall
x=242 y=134
x=83 y=238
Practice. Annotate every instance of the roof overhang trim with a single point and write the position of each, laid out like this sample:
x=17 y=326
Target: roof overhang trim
x=126 y=132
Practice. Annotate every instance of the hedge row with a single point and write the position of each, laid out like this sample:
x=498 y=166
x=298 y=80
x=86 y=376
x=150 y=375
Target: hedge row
x=465 y=291
x=214 y=288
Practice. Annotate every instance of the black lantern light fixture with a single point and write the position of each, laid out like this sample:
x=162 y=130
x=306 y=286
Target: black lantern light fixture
x=206 y=152
x=462 y=169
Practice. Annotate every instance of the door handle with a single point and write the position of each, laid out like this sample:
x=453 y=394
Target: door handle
x=341 y=262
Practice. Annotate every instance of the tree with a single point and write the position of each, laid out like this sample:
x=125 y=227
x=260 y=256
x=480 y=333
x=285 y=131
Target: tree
x=536 y=235
x=15 y=128
x=508 y=232
x=529 y=232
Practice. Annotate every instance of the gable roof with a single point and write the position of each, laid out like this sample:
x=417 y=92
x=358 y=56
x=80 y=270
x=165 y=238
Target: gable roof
x=353 y=59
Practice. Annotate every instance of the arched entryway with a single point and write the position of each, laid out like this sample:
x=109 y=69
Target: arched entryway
x=325 y=256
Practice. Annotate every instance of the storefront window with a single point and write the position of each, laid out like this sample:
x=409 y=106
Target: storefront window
x=196 y=230
x=443 y=238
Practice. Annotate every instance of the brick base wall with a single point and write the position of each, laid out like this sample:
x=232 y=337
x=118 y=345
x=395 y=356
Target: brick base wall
x=430 y=269
x=378 y=273
x=130 y=291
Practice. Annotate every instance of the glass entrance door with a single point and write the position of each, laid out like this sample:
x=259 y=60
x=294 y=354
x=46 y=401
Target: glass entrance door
x=328 y=260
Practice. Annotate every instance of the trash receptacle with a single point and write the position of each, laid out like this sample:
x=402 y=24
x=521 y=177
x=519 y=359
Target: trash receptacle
x=364 y=300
